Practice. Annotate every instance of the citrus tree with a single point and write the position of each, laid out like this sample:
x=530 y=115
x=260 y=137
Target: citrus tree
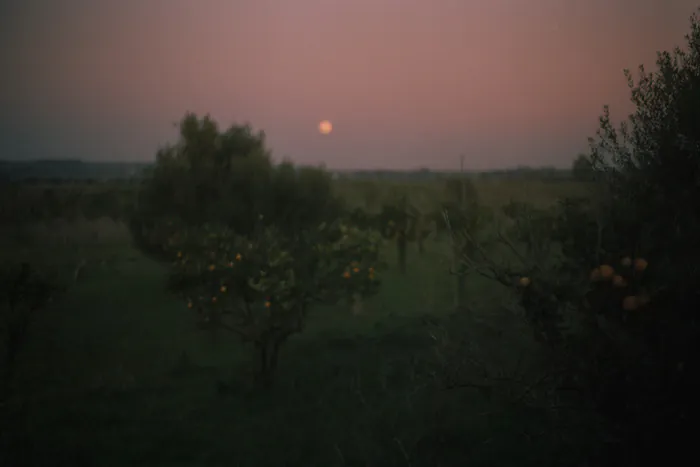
x=262 y=286
x=253 y=246
x=650 y=167
x=610 y=283
x=593 y=320
x=400 y=223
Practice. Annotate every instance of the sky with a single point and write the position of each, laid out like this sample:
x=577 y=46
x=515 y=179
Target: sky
x=406 y=83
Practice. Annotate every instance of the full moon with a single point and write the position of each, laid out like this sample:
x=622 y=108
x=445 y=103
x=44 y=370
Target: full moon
x=325 y=127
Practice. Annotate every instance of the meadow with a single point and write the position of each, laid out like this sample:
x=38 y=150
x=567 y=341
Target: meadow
x=116 y=372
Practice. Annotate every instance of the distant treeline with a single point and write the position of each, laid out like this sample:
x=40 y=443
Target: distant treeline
x=517 y=173
x=62 y=170
x=57 y=171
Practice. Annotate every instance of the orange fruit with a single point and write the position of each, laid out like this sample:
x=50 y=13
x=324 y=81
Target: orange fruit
x=619 y=281
x=223 y=288
x=356 y=270
x=189 y=305
x=346 y=274
x=213 y=299
x=640 y=264
x=606 y=271
x=238 y=257
x=268 y=304
x=524 y=281
x=630 y=303
x=212 y=267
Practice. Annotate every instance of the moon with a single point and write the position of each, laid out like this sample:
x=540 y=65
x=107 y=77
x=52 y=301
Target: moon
x=325 y=127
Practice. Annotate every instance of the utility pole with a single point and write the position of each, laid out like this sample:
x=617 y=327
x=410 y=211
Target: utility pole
x=457 y=247
x=461 y=175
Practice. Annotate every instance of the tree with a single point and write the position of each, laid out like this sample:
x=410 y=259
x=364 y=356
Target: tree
x=582 y=169
x=252 y=245
x=652 y=168
x=398 y=220
x=610 y=283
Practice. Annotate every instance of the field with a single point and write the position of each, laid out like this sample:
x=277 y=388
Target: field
x=116 y=373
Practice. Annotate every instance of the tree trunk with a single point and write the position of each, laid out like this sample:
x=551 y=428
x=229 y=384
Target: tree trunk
x=356 y=304
x=461 y=283
x=268 y=354
x=461 y=293
x=421 y=243
x=401 y=243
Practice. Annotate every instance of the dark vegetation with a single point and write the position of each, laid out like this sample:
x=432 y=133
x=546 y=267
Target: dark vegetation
x=262 y=314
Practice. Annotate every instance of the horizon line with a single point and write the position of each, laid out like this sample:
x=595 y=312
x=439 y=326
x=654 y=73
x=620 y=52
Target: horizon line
x=331 y=169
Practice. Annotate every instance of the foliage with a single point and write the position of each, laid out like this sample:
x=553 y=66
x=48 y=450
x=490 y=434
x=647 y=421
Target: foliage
x=399 y=221
x=228 y=178
x=207 y=176
x=262 y=286
x=652 y=168
x=25 y=203
x=652 y=164
x=465 y=219
x=611 y=285
x=582 y=169
x=255 y=245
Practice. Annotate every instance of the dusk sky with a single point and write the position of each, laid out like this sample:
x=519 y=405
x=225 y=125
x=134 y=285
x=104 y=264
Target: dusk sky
x=406 y=83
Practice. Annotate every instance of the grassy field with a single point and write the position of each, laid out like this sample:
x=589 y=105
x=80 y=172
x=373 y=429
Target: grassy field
x=492 y=192
x=116 y=374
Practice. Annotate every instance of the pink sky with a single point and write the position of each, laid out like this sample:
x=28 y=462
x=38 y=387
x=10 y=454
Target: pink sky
x=406 y=83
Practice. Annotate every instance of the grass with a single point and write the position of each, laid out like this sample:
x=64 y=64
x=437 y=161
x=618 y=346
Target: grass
x=492 y=192
x=116 y=374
